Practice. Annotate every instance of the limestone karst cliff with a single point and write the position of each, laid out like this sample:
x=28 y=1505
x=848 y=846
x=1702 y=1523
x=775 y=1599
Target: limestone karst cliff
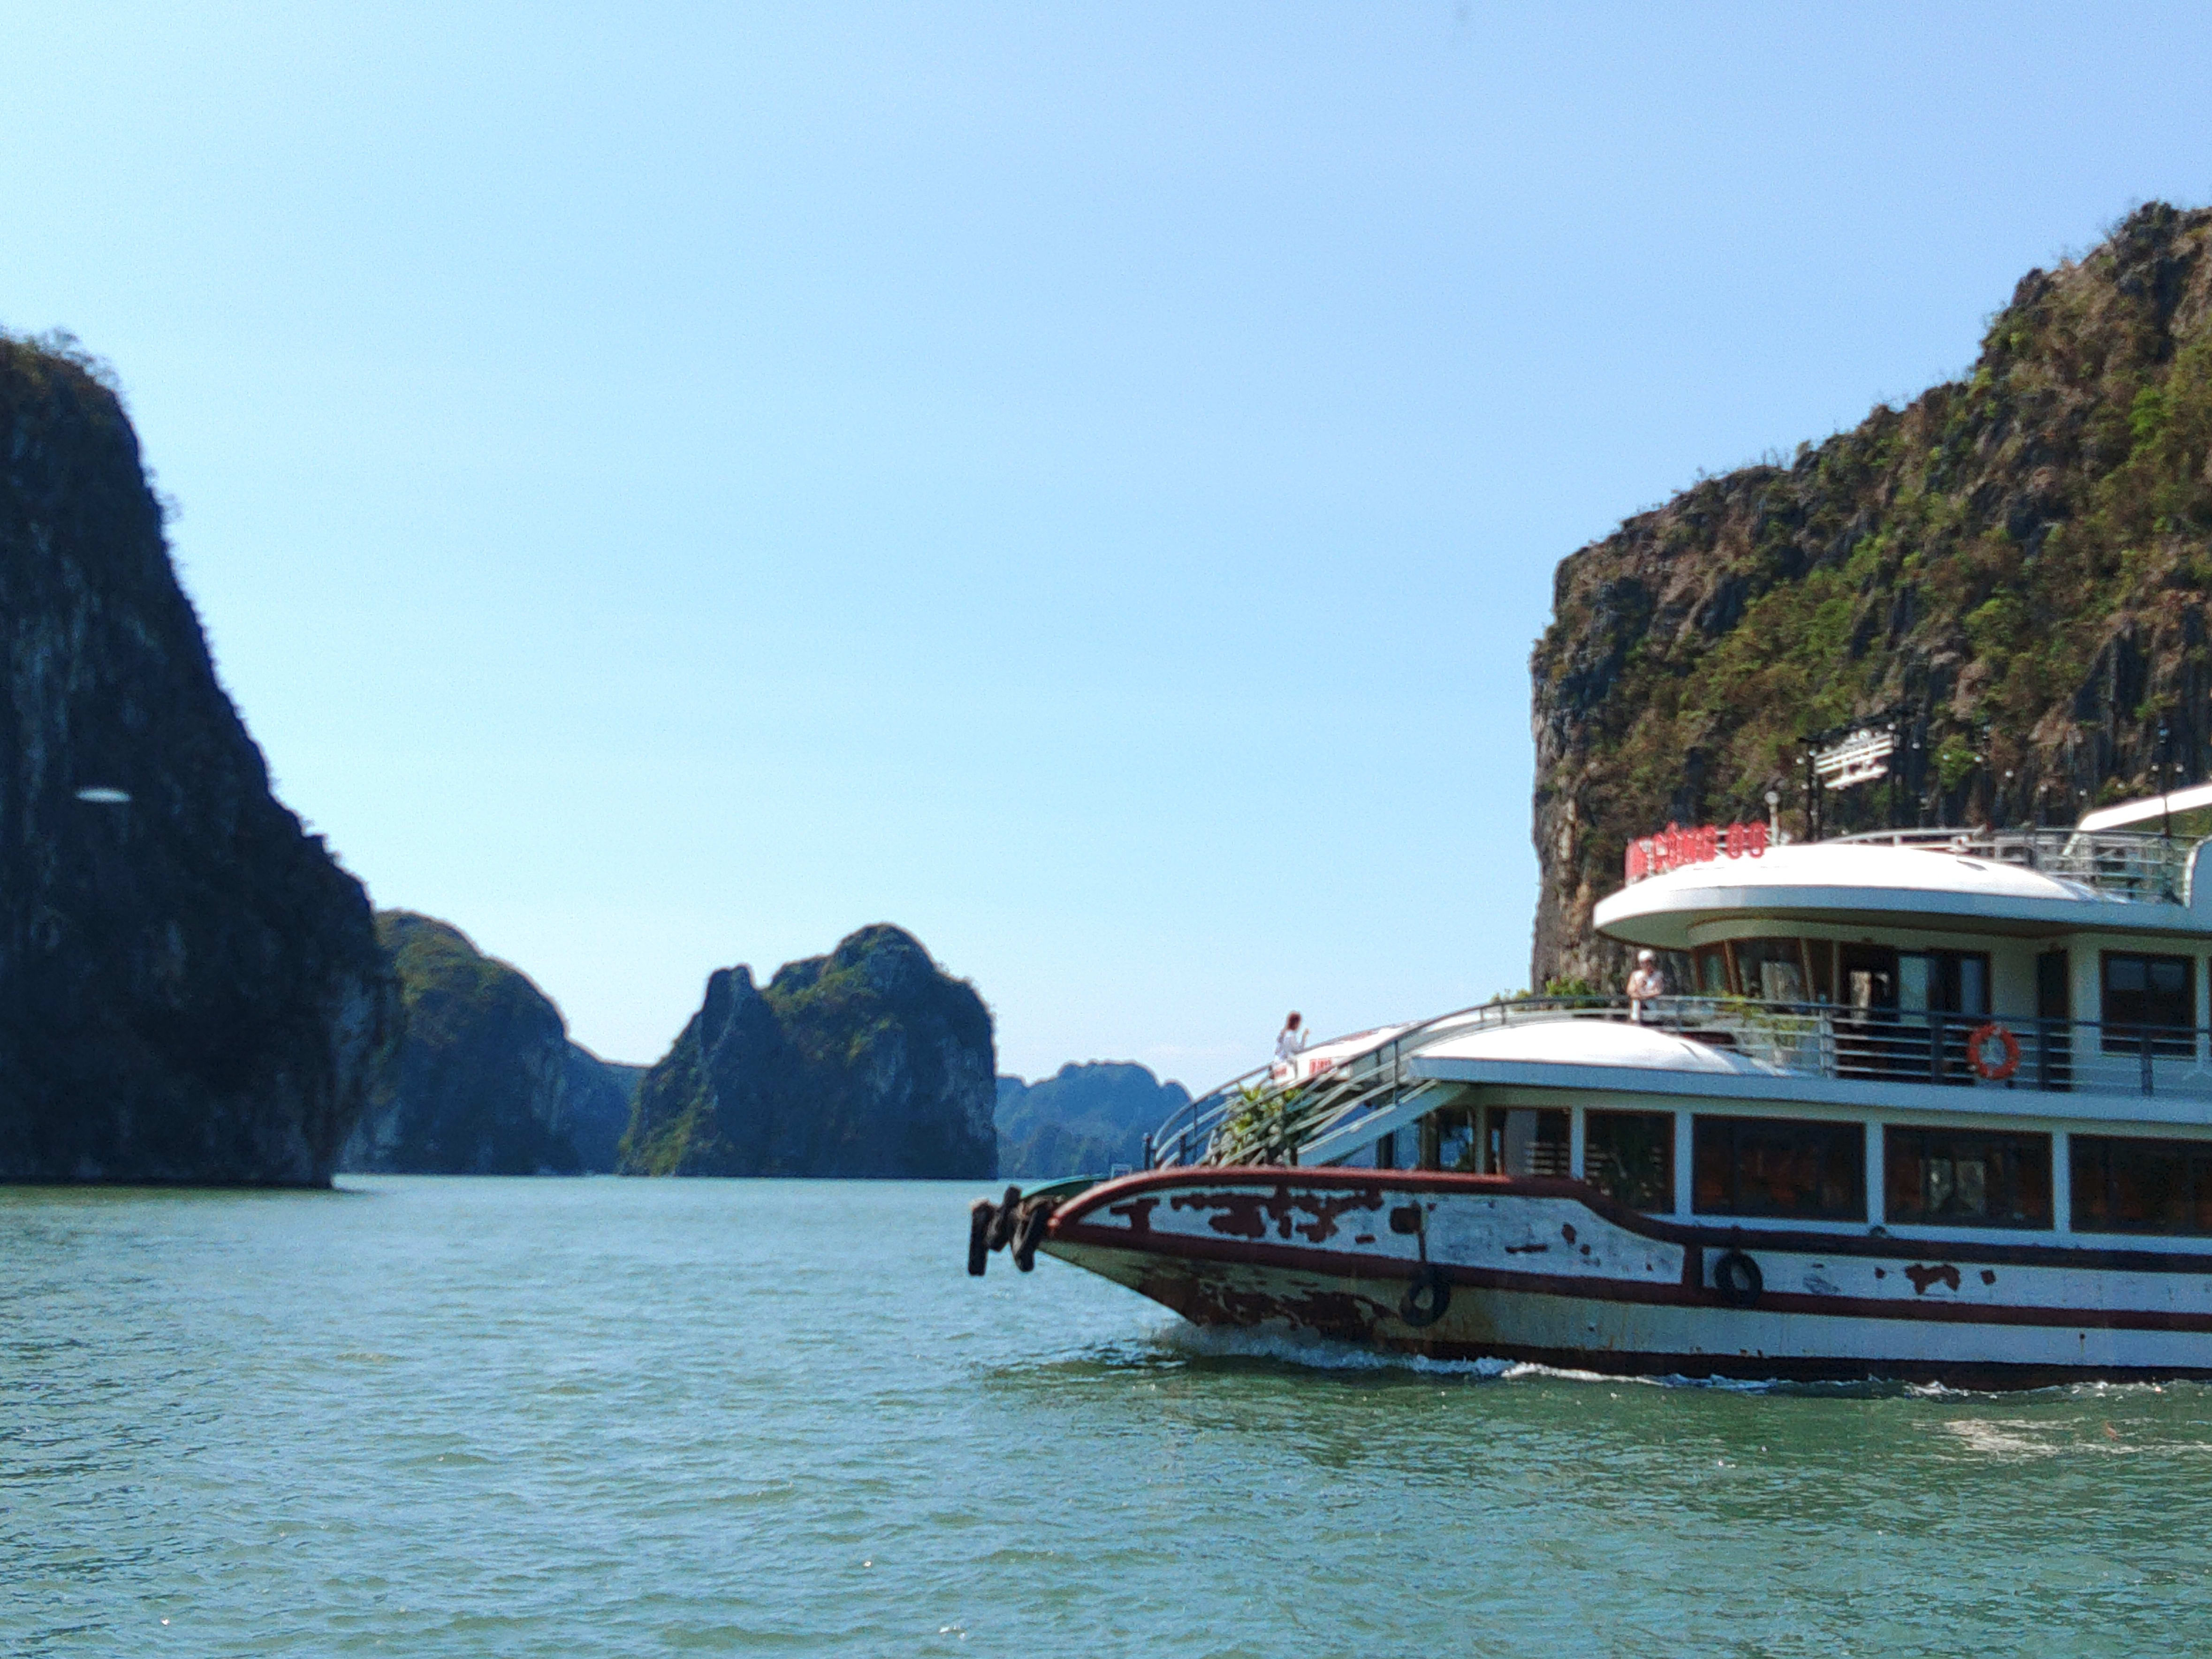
x=486 y=1081
x=868 y=1061
x=481 y=1085
x=2018 y=564
x=191 y=988
x=599 y=1096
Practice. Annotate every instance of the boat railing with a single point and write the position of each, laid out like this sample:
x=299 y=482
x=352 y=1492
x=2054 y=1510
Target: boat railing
x=2136 y=866
x=1266 y=1117
x=1263 y=1116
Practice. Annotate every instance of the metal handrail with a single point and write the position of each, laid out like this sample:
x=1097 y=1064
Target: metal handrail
x=2132 y=865
x=1356 y=1077
x=1784 y=1039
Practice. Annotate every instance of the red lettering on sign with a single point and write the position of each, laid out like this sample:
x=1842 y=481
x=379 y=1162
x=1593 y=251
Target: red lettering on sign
x=1674 y=848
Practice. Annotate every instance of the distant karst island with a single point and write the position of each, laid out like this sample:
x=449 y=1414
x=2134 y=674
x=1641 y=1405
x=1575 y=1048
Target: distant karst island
x=868 y=1061
x=1084 y=1120
x=486 y=1081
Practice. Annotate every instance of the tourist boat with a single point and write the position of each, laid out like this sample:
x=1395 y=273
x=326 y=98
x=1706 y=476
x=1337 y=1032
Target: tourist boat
x=1926 y=1105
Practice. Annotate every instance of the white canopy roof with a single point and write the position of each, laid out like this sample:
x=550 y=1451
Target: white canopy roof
x=2152 y=810
x=1872 y=884
x=1589 y=1042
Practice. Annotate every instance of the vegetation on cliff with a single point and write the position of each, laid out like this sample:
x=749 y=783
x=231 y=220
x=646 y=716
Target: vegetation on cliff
x=2018 y=563
x=191 y=988
x=1084 y=1120
x=868 y=1061
x=486 y=1079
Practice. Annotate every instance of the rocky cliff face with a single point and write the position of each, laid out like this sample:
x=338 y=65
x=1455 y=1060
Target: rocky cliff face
x=599 y=1096
x=2018 y=564
x=482 y=1086
x=190 y=989
x=868 y=1061
x=1083 y=1120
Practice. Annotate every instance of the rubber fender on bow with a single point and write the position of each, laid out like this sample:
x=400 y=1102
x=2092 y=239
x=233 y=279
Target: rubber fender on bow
x=1029 y=1231
x=1737 y=1277
x=1002 y=1224
x=981 y=1214
x=1426 y=1297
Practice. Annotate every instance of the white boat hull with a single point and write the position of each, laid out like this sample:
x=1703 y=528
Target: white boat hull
x=1551 y=1270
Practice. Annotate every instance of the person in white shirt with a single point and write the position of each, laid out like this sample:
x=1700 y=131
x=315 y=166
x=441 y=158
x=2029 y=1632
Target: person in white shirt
x=1645 y=984
x=1292 y=1039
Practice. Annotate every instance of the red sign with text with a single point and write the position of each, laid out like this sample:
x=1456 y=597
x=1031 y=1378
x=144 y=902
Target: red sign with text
x=1675 y=847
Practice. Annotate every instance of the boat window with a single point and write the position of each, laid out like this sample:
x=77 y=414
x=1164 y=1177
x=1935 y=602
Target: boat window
x=1869 y=975
x=1820 y=959
x=2153 y=998
x=1443 y=1138
x=1712 y=970
x=1966 y=1176
x=1945 y=982
x=2123 y=1184
x=1913 y=981
x=1629 y=1157
x=2054 y=990
x=1971 y=995
x=2054 y=1005
x=1529 y=1142
x=1779 y=1166
x=1457 y=1147
x=1773 y=970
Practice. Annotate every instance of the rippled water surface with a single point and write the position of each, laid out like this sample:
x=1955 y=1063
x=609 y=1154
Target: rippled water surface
x=434 y=1417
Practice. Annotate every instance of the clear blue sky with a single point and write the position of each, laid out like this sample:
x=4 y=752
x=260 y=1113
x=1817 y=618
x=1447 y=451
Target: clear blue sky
x=669 y=485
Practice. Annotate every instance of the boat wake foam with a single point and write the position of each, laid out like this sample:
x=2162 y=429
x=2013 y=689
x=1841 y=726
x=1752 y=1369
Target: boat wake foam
x=1181 y=1342
x=1185 y=1341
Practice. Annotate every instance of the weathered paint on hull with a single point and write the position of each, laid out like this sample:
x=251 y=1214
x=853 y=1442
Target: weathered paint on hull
x=1549 y=1271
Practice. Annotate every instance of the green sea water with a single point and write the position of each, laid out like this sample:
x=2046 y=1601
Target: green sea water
x=600 y=1416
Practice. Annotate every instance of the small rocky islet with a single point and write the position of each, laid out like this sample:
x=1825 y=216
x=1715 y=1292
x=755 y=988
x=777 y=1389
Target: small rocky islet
x=2016 y=566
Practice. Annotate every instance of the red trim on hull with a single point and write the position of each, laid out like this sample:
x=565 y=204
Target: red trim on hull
x=1184 y=1296
x=1719 y=1233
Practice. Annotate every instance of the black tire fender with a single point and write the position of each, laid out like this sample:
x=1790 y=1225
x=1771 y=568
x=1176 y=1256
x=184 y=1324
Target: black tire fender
x=1426 y=1297
x=1002 y=1224
x=1029 y=1232
x=1737 y=1280
x=981 y=1214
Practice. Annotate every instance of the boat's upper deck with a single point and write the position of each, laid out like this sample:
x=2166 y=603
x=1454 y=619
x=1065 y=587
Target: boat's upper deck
x=2023 y=882
x=2027 y=974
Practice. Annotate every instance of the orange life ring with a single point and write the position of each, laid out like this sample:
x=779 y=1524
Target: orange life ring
x=1977 y=1046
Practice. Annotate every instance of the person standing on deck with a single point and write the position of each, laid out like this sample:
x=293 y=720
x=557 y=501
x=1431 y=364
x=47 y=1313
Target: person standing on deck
x=1645 y=984
x=1292 y=1040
